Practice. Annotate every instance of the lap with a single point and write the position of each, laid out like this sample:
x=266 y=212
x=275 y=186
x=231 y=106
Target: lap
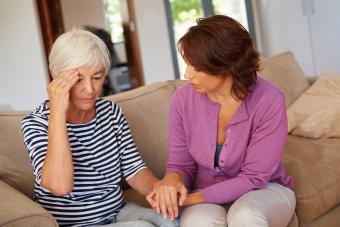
x=133 y=212
x=204 y=214
x=133 y=215
x=272 y=206
x=136 y=223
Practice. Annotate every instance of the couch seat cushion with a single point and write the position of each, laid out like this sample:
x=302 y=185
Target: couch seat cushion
x=315 y=167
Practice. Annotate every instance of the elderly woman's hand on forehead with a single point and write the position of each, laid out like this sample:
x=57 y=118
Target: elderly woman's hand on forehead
x=59 y=90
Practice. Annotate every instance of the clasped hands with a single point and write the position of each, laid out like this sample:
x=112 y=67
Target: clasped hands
x=168 y=195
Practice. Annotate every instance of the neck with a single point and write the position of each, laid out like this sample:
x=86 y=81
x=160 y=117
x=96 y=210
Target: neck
x=223 y=93
x=78 y=116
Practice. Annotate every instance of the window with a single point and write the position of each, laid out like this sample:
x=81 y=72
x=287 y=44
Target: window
x=185 y=13
x=232 y=8
x=114 y=20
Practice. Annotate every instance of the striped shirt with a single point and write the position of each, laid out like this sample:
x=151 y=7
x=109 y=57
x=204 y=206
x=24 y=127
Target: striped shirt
x=102 y=150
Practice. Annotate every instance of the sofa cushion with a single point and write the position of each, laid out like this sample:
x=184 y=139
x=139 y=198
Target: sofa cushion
x=15 y=166
x=18 y=210
x=314 y=165
x=316 y=113
x=146 y=110
x=284 y=71
x=330 y=219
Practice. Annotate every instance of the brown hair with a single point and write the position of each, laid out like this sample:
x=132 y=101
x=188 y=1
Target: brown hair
x=220 y=46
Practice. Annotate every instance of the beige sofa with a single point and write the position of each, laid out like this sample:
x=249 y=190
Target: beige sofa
x=314 y=164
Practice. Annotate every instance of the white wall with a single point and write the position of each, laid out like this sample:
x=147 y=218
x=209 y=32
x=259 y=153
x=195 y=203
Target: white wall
x=82 y=12
x=154 y=41
x=307 y=28
x=282 y=27
x=23 y=71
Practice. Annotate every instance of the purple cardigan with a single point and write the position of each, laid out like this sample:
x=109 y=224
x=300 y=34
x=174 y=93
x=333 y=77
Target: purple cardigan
x=250 y=157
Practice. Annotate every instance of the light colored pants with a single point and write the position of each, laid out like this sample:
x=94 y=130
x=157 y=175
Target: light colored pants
x=133 y=215
x=273 y=206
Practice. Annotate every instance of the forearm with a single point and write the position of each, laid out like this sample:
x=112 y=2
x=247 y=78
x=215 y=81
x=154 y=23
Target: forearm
x=143 y=181
x=228 y=190
x=57 y=170
x=193 y=198
x=174 y=177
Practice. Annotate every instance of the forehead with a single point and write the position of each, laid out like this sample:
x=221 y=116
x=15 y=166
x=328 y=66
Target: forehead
x=90 y=70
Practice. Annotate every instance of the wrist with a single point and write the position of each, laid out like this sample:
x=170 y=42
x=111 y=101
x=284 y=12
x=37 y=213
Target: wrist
x=194 y=198
x=174 y=176
x=154 y=184
x=57 y=116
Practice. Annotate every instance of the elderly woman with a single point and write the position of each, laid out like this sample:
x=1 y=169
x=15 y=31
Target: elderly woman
x=227 y=131
x=80 y=144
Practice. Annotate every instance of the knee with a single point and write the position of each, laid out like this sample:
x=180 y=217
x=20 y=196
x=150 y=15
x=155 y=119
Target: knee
x=244 y=217
x=204 y=216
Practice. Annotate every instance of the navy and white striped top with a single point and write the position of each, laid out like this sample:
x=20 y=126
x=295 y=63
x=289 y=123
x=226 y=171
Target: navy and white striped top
x=102 y=150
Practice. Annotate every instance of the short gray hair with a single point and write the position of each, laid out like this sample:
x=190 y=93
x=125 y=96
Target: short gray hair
x=78 y=48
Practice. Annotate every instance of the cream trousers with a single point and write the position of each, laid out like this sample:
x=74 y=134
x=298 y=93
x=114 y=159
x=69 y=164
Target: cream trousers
x=273 y=206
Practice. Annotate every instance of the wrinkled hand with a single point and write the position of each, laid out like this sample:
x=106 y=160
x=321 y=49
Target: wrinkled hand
x=168 y=195
x=59 y=90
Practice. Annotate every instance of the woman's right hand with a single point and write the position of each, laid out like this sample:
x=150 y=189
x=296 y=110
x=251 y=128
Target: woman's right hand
x=59 y=90
x=167 y=195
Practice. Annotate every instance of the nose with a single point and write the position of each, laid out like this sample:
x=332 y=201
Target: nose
x=88 y=87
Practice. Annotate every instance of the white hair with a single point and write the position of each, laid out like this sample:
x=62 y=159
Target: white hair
x=78 y=48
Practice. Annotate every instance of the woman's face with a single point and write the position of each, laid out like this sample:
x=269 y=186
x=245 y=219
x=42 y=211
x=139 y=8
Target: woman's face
x=203 y=82
x=84 y=93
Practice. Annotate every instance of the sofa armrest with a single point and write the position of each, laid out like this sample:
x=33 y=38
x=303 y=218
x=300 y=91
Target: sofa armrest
x=18 y=210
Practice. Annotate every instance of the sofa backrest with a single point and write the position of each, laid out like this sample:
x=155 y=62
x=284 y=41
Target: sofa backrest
x=146 y=110
x=284 y=71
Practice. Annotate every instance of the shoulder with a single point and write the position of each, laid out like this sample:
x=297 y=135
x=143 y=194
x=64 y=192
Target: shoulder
x=265 y=92
x=265 y=98
x=35 y=123
x=183 y=90
x=107 y=107
x=37 y=117
x=266 y=88
x=183 y=93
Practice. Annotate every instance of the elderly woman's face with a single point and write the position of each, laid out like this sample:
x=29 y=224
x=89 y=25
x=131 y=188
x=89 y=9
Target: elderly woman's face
x=201 y=81
x=84 y=93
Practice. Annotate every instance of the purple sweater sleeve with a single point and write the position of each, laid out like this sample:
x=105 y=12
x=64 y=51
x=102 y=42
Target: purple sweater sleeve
x=179 y=160
x=263 y=156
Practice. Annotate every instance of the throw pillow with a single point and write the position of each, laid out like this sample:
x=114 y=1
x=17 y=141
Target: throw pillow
x=316 y=112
